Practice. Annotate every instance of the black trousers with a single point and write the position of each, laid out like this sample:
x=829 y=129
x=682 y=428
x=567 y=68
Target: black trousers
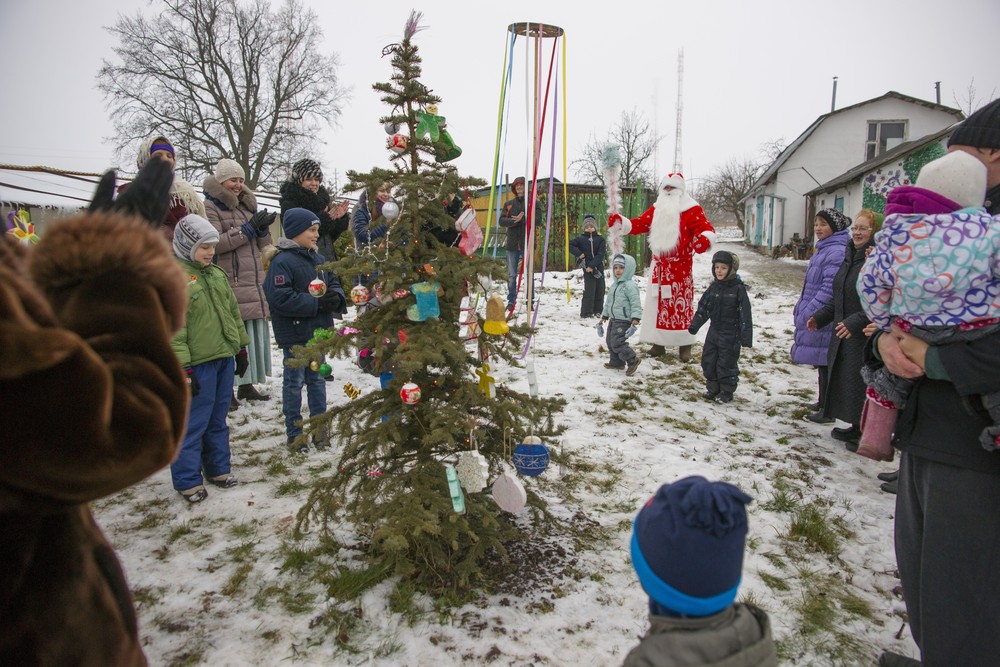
x=947 y=550
x=593 y=294
x=719 y=363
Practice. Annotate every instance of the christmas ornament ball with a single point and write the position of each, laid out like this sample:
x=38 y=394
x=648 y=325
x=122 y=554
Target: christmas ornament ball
x=390 y=127
x=314 y=365
x=397 y=143
x=410 y=393
x=317 y=287
x=531 y=457
x=325 y=370
x=360 y=295
x=390 y=210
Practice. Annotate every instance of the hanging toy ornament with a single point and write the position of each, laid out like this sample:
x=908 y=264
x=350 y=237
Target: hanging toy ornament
x=20 y=227
x=509 y=493
x=496 y=323
x=410 y=393
x=427 y=301
x=360 y=295
x=317 y=287
x=397 y=143
x=473 y=471
x=531 y=457
x=487 y=383
x=455 y=489
x=472 y=235
x=390 y=210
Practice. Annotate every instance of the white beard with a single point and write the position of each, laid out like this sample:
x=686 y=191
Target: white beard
x=665 y=229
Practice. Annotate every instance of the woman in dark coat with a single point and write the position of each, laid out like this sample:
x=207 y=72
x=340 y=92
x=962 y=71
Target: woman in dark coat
x=305 y=190
x=845 y=390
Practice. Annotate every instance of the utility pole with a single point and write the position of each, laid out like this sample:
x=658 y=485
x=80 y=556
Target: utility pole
x=678 y=163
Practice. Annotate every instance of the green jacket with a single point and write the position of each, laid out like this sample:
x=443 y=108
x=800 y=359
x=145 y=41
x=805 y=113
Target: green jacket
x=213 y=328
x=623 y=301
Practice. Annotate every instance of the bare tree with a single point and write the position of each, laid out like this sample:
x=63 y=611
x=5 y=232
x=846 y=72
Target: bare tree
x=636 y=145
x=223 y=78
x=970 y=99
x=721 y=191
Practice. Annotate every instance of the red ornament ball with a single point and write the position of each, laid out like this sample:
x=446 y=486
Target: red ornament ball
x=360 y=295
x=397 y=143
x=317 y=288
x=410 y=393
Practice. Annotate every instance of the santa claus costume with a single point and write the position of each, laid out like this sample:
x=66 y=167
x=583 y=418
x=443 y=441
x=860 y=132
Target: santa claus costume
x=677 y=229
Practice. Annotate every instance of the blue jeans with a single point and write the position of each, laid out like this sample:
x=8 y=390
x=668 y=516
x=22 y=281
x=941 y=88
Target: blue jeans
x=513 y=260
x=206 y=441
x=291 y=394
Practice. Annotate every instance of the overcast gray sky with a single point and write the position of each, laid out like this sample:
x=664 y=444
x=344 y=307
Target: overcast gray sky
x=754 y=72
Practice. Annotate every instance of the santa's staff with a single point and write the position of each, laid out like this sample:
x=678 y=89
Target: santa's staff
x=611 y=163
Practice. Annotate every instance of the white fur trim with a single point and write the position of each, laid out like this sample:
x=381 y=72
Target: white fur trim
x=626 y=226
x=710 y=236
x=648 y=333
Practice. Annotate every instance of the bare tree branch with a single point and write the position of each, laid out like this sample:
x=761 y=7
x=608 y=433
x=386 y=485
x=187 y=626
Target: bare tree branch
x=636 y=145
x=223 y=78
x=970 y=99
x=721 y=191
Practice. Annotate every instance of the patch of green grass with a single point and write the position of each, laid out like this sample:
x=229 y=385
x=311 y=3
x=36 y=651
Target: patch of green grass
x=237 y=579
x=783 y=440
x=290 y=487
x=148 y=595
x=812 y=526
x=774 y=582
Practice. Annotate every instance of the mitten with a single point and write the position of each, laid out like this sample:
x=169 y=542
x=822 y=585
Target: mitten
x=192 y=381
x=701 y=244
x=614 y=219
x=248 y=229
x=630 y=331
x=242 y=362
x=331 y=302
x=600 y=328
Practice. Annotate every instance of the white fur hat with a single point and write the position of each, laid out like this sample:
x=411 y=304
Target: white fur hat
x=227 y=169
x=958 y=176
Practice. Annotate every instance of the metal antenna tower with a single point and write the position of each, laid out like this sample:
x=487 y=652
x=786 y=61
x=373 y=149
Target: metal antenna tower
x=678 y=166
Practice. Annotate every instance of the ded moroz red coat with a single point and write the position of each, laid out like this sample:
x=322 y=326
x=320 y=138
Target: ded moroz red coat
x=669 y=305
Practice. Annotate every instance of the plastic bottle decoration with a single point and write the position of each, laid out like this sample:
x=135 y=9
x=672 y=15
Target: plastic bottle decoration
x=496 y=322
x=390 y=210
x=410 y=393
x=531 y=457
x=320 y=334
x=317 y=287
x=397 y=143
x=487 y=383
x=427 y=301
x=360 y=295
x=455 y=489
x=472 y=235
x=509 y=493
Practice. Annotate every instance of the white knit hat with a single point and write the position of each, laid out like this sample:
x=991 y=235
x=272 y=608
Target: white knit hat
x=958 y=176
x=227 y=169
x=191 y=232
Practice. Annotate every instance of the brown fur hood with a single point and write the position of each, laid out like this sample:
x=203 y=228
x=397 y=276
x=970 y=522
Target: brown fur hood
x=214 y=189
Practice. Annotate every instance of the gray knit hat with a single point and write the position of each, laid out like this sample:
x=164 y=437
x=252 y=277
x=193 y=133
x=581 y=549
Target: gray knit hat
x=981 y=129
x=192 y=231
x=589 y=220
x=227 y=169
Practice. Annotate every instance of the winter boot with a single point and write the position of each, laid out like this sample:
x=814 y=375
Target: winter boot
x=248 y=392
x=630 y=370
x=684 y=353
x=301 y=448
x=711 y=390
x=890 y=487
x=890 y=659
x=656 y=351
x=226 y=481
x=321 y=439
x=877 y=424
x=234 y=405
x=725 y=394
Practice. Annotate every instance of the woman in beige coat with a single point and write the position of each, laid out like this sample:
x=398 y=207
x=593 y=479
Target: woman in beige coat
x=243 y=233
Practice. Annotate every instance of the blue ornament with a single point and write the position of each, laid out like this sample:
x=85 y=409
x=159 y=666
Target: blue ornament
x=531 y=457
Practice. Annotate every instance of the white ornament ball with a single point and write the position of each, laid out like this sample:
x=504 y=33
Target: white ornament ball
x=410 y=393
x=317 y=287
x=360 y=295
x=390 y=210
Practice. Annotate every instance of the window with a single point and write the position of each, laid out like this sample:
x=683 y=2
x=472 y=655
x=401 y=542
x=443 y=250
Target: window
x=838 y=203
x=884 y=135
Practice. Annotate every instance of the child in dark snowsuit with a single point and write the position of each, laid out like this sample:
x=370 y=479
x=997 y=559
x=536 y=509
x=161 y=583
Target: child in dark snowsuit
x=727 y=304
x=589 y=249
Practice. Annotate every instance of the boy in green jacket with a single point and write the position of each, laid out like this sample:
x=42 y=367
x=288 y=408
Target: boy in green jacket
x=624 y=308
x=212 y=336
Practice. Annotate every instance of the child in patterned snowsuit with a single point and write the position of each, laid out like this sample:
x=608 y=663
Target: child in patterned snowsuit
x=727 y=304
x=935 y=273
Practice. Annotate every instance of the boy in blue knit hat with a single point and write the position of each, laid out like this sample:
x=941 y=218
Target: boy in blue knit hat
x=687 y=549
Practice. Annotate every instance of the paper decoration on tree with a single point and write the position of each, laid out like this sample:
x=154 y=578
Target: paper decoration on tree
x=351 y=391
x=531 y=457
x=472 y=235
x=509 y=493
x=487 y=383
x=496 y=321
x=320 y=334
x=360 y=295
x=19 y=226
x=473 y=471
x=427 y=301
x=316 y=287
x=410 y=393
x=455 y=489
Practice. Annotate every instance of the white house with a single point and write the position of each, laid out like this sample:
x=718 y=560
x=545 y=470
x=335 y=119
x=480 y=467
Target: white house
x=867 y=185
x=777 y=207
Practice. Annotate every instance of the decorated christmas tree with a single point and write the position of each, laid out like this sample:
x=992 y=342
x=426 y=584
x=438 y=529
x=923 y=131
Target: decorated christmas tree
x=416 y=458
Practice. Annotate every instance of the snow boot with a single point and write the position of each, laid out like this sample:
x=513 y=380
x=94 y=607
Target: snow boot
x=684 y=353
x=630 y=370
x=724 y=397
x=711 y=390
x=234 y=405
x=248 y=392
x=877 y=425
x=656 y=351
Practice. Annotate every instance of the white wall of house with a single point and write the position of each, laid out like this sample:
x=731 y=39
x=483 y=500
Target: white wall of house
x=837 y=145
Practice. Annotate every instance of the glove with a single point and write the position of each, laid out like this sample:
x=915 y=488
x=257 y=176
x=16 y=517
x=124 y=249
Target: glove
x=692 y=330
x=701 y=244
x=614 y=219
x=147 y=197
x=630 y=331
x=242 y=362
x=261 y=220
x=192 y=381
x=248 y=230
x=600 y=328
x=331 y=302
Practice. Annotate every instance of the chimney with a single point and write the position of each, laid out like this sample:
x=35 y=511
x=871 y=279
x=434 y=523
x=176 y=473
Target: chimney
x=937 y=91
x=833 y=102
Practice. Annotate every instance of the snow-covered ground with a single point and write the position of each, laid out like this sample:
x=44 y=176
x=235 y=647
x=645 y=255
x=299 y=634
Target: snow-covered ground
x=208 y=578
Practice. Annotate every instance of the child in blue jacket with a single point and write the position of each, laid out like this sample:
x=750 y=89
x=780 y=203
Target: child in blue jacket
x=296 y=314
x=623 y=308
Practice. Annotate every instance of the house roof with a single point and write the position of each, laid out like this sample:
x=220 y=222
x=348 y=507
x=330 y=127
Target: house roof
x=792 y=147
x=879 y=160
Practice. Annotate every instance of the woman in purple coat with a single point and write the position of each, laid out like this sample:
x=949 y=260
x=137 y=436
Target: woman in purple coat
x=812 y=342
